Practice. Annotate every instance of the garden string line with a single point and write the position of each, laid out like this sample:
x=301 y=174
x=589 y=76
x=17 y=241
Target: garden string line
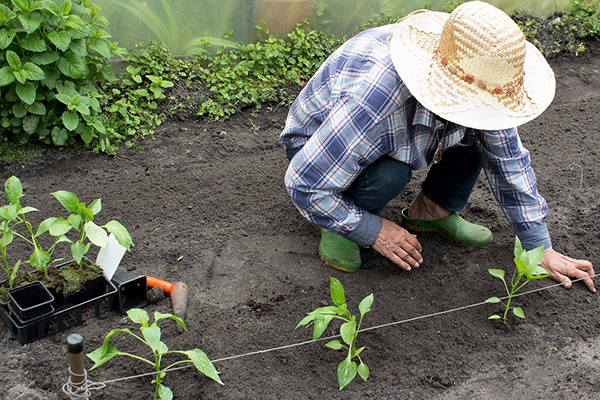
x=99 y=385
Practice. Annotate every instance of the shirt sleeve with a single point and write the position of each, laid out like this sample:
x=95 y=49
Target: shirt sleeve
x=507 y=165
x=338 y=151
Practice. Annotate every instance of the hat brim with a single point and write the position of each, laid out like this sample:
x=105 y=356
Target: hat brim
x=413 y=59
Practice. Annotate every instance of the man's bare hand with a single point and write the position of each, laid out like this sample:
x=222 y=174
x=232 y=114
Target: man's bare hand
x=562 y=267
x=397 y=244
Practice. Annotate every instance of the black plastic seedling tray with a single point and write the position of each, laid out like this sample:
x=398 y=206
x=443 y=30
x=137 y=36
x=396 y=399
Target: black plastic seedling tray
x=99 y=297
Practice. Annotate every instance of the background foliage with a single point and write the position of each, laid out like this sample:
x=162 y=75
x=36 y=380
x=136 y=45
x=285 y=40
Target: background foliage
x=58 y=88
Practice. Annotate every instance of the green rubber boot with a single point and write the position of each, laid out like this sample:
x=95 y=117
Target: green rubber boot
x=338 y=252
x=453 y=227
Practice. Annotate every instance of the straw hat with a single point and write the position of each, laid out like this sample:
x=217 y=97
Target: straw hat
x=472 y=67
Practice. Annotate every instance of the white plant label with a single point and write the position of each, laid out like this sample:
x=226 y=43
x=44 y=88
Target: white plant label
x=110 y=256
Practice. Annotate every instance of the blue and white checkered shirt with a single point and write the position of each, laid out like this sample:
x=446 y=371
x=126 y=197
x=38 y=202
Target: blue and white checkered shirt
x=356 y=109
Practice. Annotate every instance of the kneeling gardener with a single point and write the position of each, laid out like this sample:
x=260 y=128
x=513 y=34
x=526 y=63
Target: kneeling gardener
x=437 y=90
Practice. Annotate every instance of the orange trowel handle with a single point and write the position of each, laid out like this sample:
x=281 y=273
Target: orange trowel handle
x=164 y=285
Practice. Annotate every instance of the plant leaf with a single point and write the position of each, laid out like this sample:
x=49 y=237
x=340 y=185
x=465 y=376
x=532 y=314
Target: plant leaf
x=37 y=108
x=45 y=58
x=60 y=39
x=498 y=273
x=337 y=292
x=6 y=76
x=78 y=250
x=65 y=8
x=164 y=393
x=493 y=300
x=59 y=136
x=39 y=258
x=518 y=250
x=536 y=256
x=72 y=65
x=6 y=14
x=363 y=371
x=203 y=364
x=365 y=305
x=30 y=22
x=32 y=72
x=158 y=316
x=521 y=266
x=346 y=372
x=518 y=311
x=152 y=337
x=347 y=331
x=26 y=210
x=59 y=227
x=320 y=324
x=495 y=316
x=68 y=199
x=103 y=354
x=6 y=238
x=74 y=220
x=96 y=206
x=96 y=234
x=70 y=120
x=30 y=123
x=6 y=37
x=44 y=226
x=536 y=272
x=13 y=189
x=120 y=232
x=334 y=344
x=13 y=60
x=139 y=316
x=33 y=43
x=357 y=352
x=26 y=92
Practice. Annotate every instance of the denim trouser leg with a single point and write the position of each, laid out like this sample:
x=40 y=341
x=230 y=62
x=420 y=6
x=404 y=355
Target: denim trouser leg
x=379 y=183
x=450 y=183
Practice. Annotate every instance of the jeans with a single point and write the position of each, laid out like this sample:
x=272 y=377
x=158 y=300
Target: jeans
x=449 y=183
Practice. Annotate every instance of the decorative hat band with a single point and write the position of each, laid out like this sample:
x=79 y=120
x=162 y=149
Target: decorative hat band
x=470 y=78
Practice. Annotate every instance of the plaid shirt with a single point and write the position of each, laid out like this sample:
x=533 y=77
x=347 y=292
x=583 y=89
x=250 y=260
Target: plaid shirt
x=356 y=109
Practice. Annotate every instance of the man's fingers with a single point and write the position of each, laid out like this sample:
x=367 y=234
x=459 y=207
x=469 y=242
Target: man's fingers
x=399 y=261
x=413 y=241
x=586 y=276
x=566 y=282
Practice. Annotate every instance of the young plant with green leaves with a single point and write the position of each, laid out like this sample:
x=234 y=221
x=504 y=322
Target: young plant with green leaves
x=527 y=269
x=322 y=316
x=151 y=337
x=12 y=217
x=81 y=220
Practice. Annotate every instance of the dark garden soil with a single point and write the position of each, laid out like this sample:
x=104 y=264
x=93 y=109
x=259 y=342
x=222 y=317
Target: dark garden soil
x=206 y=205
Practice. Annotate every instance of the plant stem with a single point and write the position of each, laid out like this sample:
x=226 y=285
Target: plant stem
x=158 y=375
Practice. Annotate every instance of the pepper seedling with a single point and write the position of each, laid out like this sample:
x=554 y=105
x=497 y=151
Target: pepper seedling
x=151 y=337
x=527 y=269
x=322 y=316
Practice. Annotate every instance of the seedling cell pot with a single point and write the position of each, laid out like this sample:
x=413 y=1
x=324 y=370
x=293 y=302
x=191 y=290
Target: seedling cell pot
x=98 y=297
x=30 y=301
x=132 y=290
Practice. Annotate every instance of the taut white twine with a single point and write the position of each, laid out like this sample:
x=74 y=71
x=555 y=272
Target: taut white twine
x=289 y=346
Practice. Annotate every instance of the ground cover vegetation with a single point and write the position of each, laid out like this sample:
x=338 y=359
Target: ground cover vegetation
x=59 y=88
